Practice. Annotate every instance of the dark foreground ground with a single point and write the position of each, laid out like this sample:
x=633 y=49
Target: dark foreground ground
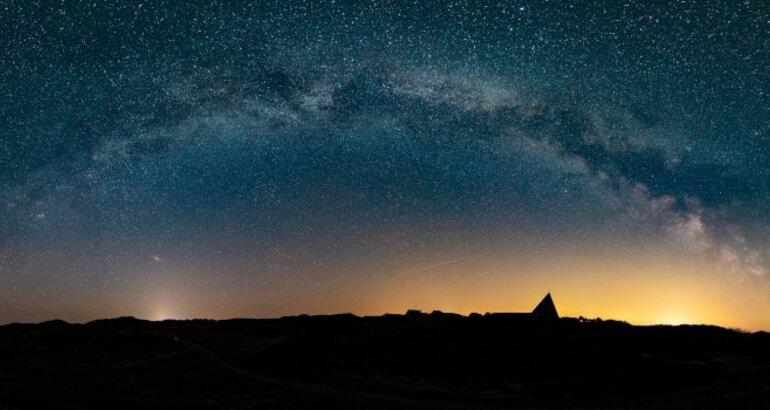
x=435 y=361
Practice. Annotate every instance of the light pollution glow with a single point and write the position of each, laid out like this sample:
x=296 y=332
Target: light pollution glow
x=647 y=287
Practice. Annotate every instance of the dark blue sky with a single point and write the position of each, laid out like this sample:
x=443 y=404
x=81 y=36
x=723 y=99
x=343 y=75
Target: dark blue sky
x=266 y=153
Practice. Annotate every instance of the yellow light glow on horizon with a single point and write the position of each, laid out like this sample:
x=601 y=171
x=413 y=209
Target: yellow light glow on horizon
x=638 y=287
x=160 y=313
x=675 y=318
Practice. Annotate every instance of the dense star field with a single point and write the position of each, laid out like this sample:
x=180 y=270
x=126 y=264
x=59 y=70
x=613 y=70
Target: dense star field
x=222 y=159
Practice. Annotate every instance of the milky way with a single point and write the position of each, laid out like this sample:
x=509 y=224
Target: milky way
x=222 y=159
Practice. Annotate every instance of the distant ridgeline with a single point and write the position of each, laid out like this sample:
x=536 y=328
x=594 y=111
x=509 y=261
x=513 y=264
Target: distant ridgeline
x=544 y=310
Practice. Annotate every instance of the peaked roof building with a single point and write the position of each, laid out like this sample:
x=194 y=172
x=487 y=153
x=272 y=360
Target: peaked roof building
x=546 y=308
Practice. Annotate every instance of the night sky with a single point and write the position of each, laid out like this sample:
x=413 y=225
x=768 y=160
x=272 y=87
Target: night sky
x=179 y=159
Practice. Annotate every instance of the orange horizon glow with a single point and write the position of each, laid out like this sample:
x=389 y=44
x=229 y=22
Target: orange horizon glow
x=644 y=287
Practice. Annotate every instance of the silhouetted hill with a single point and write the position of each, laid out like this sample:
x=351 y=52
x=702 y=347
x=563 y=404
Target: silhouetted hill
x=418 y=360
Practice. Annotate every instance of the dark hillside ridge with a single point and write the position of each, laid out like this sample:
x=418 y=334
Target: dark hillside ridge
x=417 y=360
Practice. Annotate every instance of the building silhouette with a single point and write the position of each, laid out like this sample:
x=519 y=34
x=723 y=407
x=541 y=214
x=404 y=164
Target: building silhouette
x=546 y=308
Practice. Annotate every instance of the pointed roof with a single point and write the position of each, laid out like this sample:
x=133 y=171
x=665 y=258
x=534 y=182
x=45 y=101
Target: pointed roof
x=546 y=308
